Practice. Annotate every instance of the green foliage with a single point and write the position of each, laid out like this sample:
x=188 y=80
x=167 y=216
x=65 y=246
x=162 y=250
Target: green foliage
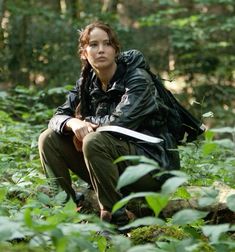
x=32 y=220
x=187 y=216
x=214 y=160
x=171 y=185
x=194 y=30
x=130 y=176
x=208 y=197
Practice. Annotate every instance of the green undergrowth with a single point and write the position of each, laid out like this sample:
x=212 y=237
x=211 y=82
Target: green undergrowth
x=157 y=233
x=32 y=220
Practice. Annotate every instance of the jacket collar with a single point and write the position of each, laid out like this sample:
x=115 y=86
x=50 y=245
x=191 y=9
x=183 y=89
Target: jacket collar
x=116 y=81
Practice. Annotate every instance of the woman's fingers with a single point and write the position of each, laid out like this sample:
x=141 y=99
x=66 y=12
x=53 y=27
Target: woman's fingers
x=82 y=128
x=90 y=129
x=81 y=132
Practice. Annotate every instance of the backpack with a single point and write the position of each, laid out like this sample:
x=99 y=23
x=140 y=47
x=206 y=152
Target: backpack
x=180 y=122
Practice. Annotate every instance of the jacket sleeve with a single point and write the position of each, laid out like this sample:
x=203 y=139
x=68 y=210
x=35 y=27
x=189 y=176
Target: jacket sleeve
x=65 y=111
x=138 y=101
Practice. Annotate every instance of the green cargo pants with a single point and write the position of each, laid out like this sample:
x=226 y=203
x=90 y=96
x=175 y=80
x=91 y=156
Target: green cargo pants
x=93 y=165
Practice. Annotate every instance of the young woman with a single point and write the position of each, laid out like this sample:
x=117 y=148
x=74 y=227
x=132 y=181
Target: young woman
x=114 y=89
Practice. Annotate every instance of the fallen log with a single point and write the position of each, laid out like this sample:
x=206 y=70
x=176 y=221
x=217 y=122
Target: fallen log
x=218 y=211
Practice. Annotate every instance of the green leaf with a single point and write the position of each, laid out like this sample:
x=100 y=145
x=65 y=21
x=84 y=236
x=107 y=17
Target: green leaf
x=146 y=221
x=157 y=202
x=133 y=173
x=43 y=226
x=209 y=197
x=187 y=216
x=28 y=218
x=102 y=244
x=214 y=231
x=137 y=159
x=206 y=201
x=225 y=143
x=10 y=230
x=60 y=198
x=182 y=193
x=84 y=228
x=3 y=192
x=209 y=135
x=177 y=173
x=208 y=148
x=174 y=245
x=56 y=234
x=121 y=243
x=125 y=200
x=141 y=248
x=231 y=202
x=171 y=185
x=43 y=198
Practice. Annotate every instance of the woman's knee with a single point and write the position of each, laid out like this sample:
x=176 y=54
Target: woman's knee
x=45 y=138
x=92 y=142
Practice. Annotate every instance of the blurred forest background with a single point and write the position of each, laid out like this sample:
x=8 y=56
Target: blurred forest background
x=190 y=43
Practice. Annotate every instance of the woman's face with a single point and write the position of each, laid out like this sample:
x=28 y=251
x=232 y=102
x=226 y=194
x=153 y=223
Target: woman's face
x=99 y=52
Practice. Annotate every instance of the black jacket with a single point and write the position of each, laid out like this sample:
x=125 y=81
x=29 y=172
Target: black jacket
x=131 y=101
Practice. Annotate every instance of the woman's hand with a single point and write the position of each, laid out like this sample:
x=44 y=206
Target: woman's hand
x=80 y=128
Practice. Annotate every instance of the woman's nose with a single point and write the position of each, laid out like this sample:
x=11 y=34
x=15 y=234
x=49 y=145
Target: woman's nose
x=101 y=48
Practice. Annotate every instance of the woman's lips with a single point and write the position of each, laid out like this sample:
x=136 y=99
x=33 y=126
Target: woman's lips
x=101 y=58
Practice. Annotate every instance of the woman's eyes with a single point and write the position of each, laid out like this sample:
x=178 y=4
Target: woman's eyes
x=96 y=44
x=107 y=43
x=93 y=44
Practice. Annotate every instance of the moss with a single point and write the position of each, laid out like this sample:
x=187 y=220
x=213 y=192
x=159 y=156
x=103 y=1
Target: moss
x=153 y=233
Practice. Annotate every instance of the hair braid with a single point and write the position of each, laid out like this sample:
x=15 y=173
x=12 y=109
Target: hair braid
x=82 y=109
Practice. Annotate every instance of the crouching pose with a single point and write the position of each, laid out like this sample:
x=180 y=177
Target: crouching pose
x=115 y=89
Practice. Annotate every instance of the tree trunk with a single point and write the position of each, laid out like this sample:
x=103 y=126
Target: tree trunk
x=18 y=64
x=75 y=9
x=2 y=10
x=109 y=6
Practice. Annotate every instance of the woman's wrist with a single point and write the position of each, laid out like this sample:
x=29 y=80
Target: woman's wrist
x=69 y=124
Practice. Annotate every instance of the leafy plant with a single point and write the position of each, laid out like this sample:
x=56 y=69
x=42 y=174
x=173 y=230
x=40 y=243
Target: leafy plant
x=33 y=220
